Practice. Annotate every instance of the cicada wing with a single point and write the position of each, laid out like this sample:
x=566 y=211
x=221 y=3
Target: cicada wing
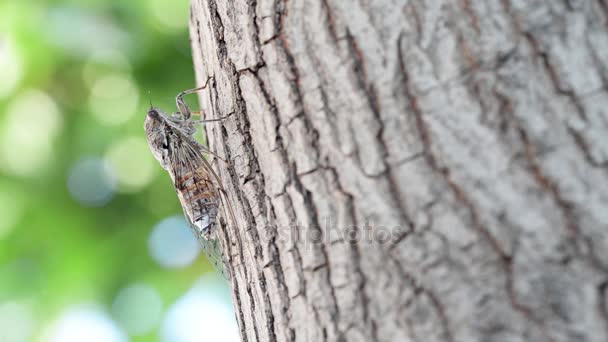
x=185 y=160
x=213 y=250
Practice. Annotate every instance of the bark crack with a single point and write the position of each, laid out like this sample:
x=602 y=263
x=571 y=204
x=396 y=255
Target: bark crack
x=567 y=93
x=466 y=5
x=285 y=160
x=372 y=99
x=355 y=248
x=243 y=199
x=356 y=254
x=312 y=212
x=331 y=20
x=505 y=260
x=244 y=132
x=530 y=151
x=419 y=289
x=603 y=302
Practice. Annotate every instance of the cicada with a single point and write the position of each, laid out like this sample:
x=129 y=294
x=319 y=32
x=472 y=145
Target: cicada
x=199 y=189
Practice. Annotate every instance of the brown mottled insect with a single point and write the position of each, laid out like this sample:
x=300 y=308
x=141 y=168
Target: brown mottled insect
x=198 y=187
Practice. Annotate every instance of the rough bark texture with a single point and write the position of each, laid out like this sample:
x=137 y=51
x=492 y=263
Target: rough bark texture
x=467 y=138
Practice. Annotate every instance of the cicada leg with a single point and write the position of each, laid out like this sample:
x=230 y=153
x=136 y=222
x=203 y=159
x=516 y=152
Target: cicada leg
x=227 y=210
x=205 y=149
x=225 y=201
x=181 y=104
x=180 y=117
x=212 y=120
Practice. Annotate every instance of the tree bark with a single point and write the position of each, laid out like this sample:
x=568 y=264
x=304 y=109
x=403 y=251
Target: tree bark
x=411 y=170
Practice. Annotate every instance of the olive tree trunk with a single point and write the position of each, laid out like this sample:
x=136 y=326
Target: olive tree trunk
x=411 y=170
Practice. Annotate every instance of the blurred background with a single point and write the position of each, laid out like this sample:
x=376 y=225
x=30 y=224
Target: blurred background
x=93 y=244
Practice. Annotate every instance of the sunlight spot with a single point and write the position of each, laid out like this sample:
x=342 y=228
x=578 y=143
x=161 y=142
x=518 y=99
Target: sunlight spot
x=137 y=308
x=84 y=324
x=133 y=163
x=172 y=243
x=11 y=69
x=16 y=322
x=205 y=307
x=113 y=99
x=32 y=123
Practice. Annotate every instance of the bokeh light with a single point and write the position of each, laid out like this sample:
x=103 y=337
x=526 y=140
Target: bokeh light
x=79 y=189
x=71 y=28
x=113 y=99
x=172 y=244
x=91 y=182
x=16 y=322
x=32 y=123
x=10 y=67
x=99 y=63
x=137 y=308
x=84 y=323
x=203 y=311
x=169 y=16
x=132 y=163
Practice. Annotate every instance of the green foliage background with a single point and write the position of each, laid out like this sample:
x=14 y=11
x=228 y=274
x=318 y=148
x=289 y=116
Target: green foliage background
x=55 y=252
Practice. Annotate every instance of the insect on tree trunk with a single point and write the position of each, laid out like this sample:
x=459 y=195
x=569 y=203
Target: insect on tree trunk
x=411 y=170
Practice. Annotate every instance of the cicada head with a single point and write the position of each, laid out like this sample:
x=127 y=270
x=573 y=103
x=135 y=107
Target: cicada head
x=154 y=120
x=157 y=128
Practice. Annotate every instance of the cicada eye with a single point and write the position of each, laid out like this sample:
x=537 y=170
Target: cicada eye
x=153 y=113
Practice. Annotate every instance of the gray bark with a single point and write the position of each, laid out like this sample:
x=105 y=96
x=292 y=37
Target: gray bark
x=452 y=155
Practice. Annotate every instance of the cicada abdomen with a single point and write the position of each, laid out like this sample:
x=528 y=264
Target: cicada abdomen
x=200 y=200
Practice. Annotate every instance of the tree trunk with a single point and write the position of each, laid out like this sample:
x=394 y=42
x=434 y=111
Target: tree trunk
x=412 y=170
